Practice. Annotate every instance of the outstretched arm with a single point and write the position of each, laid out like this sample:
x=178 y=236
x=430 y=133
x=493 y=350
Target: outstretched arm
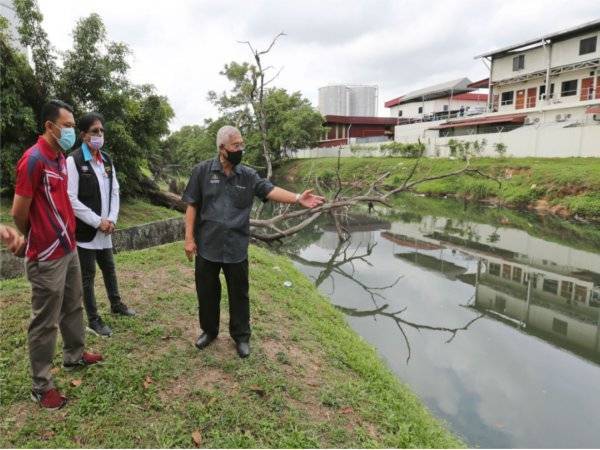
x=306 y=199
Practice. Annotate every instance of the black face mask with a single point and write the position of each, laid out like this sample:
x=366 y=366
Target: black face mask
x=234 y=157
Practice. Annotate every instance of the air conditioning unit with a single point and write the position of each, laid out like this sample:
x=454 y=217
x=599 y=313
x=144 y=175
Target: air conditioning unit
x=528 y=121
x=560 y=117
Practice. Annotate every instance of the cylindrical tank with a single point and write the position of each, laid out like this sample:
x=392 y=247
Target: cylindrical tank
x=348 y=100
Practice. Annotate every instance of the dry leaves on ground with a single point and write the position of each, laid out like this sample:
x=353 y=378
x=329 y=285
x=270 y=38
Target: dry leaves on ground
x=197 y=438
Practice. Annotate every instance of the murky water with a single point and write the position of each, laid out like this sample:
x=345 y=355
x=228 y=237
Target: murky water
x=490 y=316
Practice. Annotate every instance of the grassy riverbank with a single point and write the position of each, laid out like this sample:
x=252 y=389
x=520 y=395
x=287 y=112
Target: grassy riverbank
x=310 y=382
x=563 y=186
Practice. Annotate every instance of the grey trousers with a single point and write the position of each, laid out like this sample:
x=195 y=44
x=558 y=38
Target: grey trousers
x=56 y=302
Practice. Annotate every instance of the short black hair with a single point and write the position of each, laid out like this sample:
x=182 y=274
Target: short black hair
x=87 y=120
x=51 y=110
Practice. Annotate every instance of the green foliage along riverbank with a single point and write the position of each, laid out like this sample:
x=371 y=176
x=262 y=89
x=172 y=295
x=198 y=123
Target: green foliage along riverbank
x=567 y=187
x=310 y=381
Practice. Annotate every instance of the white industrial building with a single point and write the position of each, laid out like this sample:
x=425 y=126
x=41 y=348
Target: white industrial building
x=524 y=115
x=450 y=99
x=348 y=100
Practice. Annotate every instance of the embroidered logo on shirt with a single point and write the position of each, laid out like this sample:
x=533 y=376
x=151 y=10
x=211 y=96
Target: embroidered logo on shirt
x=85 y=168
x=214 y=179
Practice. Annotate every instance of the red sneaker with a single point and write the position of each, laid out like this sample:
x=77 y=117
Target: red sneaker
x=91 y=358
x=87 y=359
x=51 y=399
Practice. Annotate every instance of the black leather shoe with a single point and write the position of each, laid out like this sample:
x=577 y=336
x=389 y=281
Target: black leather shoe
x=204 y=340
x=243 y=349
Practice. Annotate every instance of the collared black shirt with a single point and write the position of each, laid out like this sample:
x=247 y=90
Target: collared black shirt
x=223 y=209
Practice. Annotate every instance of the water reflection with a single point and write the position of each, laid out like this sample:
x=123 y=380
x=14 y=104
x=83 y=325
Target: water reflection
x=491 y=317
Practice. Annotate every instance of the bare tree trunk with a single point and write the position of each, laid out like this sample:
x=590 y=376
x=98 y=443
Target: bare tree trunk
x=257 y=100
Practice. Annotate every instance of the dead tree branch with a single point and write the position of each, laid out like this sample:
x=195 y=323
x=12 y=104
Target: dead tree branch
x=396 y=317
x=258 y=94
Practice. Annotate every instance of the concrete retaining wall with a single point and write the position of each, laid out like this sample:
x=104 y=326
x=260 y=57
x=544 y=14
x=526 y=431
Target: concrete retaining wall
x=133 y=238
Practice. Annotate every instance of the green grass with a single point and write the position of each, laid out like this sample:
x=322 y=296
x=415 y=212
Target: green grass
x=137 y=211
x=310 y=381
x=573 y=183
x=132 y=212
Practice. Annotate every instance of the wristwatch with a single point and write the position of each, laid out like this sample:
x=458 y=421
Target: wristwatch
x=297 y=198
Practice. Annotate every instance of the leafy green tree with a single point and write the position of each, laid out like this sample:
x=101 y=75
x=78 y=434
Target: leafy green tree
x=93 y=76
x=34 y=37
x=291 y=121
x=18 y=104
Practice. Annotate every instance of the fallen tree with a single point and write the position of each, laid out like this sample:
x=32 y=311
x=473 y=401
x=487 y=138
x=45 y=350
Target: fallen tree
x=289 y=221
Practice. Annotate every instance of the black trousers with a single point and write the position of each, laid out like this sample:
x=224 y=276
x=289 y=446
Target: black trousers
x=87 y=261
x=208 y=288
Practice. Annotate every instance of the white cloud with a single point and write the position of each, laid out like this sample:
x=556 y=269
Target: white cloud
x=180 y=46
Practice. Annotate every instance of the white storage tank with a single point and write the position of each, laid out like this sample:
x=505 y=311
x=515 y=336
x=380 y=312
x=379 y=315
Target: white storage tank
x=348 y=100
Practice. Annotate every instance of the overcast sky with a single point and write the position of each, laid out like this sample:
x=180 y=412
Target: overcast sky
x=181 y=45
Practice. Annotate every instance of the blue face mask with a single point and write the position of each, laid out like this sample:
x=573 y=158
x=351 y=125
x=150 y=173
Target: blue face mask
x=67 y=138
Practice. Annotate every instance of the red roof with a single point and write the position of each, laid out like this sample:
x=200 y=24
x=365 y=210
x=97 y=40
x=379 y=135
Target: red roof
x=471 y=97
x=393 y=102
x=480 y=84
x=362 y=120
x=505 y=118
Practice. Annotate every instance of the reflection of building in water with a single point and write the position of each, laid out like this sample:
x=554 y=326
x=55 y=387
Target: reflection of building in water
x=558 y=316
x=362 y=228
x=427 y=255
x=548 y=289
x=516 y=243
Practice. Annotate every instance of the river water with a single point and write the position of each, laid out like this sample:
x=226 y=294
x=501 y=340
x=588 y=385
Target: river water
x=489 y=315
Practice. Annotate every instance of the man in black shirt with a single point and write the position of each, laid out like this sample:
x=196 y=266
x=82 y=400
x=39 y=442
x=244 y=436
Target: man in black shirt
x=219 y=195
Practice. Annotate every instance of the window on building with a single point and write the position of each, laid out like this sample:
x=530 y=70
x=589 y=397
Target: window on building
x=568 y=88
x=566 y=289
x=543 y=91
x=420 y=110
x=506 y=271
x=587 y=45
x=518 y=63
x=494 y=269
x=517 y=274
x=399 y=113
x=445 y=108
x=580 y=293
x=507 y=98
x=550 y=286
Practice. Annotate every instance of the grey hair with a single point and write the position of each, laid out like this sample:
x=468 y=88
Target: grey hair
x=225 y=133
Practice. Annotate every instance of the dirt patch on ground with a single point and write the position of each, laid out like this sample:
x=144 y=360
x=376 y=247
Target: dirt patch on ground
x=204 y=378
x=510 y=172
x=569 y=190
x=543 y=207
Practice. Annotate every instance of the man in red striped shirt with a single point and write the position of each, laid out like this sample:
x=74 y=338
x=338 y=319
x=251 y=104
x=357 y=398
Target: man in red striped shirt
x=42 y=211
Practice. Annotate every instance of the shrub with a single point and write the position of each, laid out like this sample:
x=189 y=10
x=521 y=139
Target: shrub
x=466 y=149
x=500 y=148
x=412 y=150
